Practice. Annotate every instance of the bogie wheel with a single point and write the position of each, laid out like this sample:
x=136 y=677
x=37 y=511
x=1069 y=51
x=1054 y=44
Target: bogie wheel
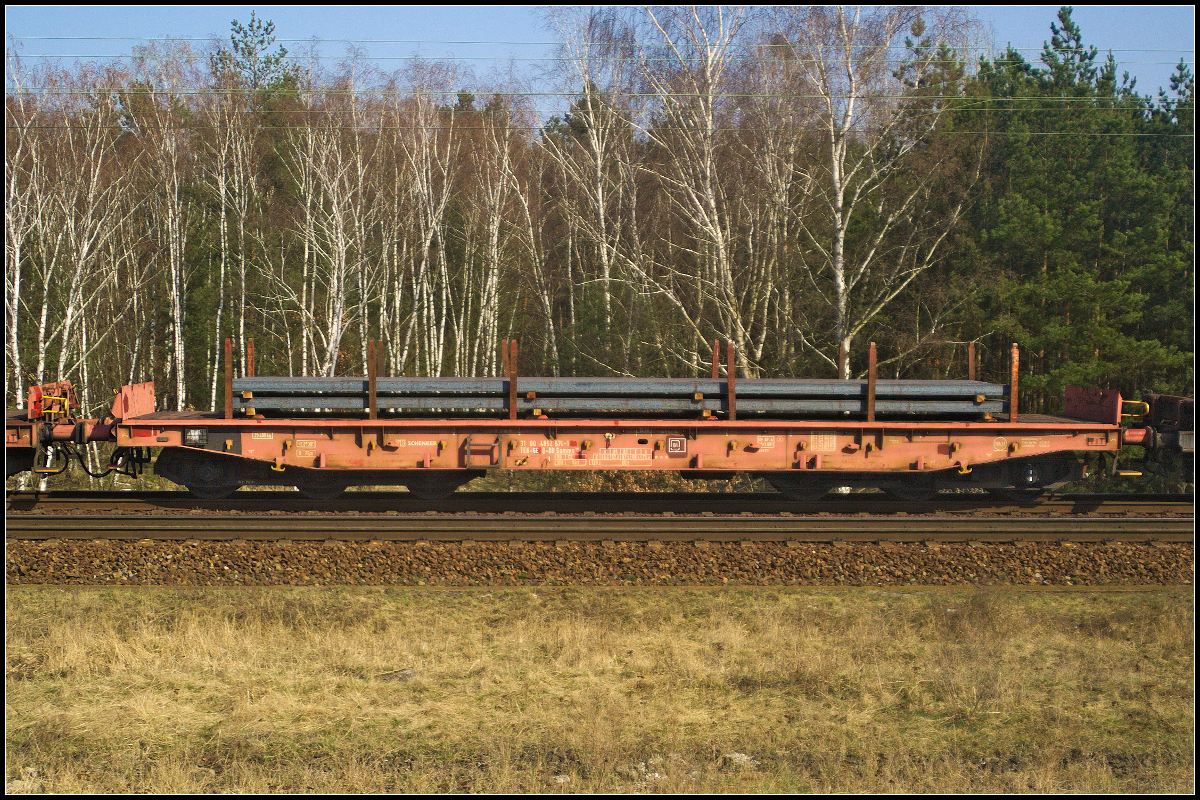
x=210 y=492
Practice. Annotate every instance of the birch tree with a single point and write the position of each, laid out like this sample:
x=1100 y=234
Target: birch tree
x=530 y=176
x=687 y=63
x=598 y=52
x=431 y=148
x=330 y=159
x=160 y=115
x=884 y=78
x=24 y=172
x=498 y=146
x=773 y=132
x=220 y=112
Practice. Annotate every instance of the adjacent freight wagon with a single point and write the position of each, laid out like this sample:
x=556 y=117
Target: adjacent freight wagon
x=433 y=435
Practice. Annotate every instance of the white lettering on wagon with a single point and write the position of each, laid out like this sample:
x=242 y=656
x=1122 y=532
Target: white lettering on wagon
x=823 y=442
x=416 y=442
x=536 y=447
x=766 y=442
x=607 y=457
x=306 y=443
x=262 y=435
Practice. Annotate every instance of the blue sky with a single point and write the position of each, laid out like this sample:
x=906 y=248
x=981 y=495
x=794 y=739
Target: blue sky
x=1146 y=41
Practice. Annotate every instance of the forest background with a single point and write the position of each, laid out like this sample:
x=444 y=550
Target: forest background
x=793 y=180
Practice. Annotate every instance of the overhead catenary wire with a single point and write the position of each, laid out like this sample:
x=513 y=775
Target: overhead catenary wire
x=495 y=42
x=568 y=59
x=1033 y=100
x=132 y=89
x=995 y=53
x=997 y=105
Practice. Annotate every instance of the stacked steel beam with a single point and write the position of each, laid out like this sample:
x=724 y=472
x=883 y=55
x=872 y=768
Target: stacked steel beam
x=633 y=397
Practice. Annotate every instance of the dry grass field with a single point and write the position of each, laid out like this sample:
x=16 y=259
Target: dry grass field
x=599 y=689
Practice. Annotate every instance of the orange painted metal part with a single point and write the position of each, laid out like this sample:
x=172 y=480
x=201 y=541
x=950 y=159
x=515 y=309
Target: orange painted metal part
x=731 y=381
x=1136 y=435
x=52 y=402
x=813 y=446
x=871 y=384
x=1014 y=384
x=228 y=379
x=583 y=444
x=133 y=401
x=511 y=364
x=372 y=385
x=1098 y=405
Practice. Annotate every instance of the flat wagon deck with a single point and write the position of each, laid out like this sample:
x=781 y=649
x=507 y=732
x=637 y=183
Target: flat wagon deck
x=435 y=434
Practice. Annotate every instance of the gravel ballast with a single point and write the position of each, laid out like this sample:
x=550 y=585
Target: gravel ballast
x=245 y=563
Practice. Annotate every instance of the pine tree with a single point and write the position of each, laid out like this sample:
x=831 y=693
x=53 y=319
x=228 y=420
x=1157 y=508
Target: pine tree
x=1074 y=225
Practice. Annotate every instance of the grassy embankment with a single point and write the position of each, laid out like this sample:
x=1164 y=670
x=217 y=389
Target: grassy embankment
x=550 y=689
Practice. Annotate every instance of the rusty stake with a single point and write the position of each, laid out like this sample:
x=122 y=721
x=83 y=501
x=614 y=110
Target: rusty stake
x=1012 y=384
x=871 y=384
x=512 y=380
x=372 y=396
x=730 y=378
x=228 y=379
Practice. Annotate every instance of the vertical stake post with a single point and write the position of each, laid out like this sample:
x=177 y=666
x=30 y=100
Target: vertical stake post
x=871 y=384
x=372 y=395
x=841 y=360
x=229 y=379
x=512 y=379
x=971 y=361
x=730 y=380
x=1012 y=384
x=504 y=357
x=250 y=358
x=380 y=359
x=716 y=360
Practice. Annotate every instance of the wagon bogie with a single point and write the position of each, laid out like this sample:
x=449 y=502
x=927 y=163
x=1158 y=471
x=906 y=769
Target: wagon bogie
x=1036 y=474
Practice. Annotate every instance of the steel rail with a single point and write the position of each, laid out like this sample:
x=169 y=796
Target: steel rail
x=467 y=527
x=601 y=502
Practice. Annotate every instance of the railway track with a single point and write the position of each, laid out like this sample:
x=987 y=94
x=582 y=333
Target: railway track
x=79 y=502
x=491 y=517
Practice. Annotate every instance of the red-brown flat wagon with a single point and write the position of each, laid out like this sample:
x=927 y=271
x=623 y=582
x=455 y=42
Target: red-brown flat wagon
x=432 y=435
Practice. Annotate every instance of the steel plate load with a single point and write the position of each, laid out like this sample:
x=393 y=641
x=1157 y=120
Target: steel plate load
x=621 y=396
